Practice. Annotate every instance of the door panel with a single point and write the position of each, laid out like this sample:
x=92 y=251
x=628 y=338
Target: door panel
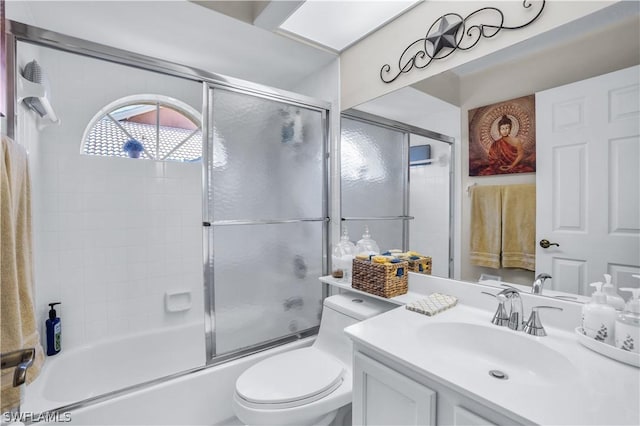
x=588 y=154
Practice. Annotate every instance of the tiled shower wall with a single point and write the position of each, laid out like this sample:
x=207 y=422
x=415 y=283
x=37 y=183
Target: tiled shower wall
x=112 y=236
x=429 y=195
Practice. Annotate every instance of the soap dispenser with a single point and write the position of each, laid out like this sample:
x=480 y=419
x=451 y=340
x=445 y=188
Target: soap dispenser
x=342 y=258
x=628 y=323
x=367 y=246
x=613 y=298
x=598 y=318
x=54 y=331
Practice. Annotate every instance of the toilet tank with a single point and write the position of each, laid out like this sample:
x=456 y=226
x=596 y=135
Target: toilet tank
x=341 y=311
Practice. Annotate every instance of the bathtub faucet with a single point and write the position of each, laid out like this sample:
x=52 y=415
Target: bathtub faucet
x=21 y=360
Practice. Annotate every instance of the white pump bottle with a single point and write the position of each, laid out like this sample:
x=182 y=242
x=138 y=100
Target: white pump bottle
x=613 y=298
x=598 y=318
x=628 y=323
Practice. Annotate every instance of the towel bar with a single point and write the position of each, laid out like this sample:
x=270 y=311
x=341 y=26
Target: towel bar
x=21 y=359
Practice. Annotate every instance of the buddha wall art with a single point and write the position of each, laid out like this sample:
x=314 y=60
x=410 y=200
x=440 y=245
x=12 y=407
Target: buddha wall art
x=502 y=138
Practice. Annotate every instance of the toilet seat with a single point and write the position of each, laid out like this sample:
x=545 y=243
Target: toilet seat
x=290 y=379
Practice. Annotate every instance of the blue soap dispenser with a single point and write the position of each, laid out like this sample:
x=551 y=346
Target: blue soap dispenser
x=54 y=331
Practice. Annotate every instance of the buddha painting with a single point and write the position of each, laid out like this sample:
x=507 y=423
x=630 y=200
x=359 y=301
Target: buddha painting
x=502 y=138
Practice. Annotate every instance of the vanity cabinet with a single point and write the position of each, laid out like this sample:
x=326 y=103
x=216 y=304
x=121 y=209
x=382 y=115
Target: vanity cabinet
x=382 y=396
x=385 y=393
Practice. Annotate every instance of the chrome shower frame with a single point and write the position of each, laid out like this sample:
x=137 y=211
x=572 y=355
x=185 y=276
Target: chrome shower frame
x=20 y=32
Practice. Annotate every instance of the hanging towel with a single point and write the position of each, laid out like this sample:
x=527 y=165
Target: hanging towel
x=486 y=221
x=18 y=328
x=519 y=226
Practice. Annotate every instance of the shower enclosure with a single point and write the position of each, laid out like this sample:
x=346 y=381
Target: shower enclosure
x=199 y=261
x=404 y=206
x=267 y=210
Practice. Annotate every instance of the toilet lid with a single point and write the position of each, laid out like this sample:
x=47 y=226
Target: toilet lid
x=297 y=375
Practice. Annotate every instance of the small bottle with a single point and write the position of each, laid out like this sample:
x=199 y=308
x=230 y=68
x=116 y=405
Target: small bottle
x=598 y=318
x=342 y=258
x=613 y=298
x=628 y=323
x=54 y=331
x=367 y=246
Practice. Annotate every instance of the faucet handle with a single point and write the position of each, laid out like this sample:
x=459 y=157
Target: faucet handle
x=533 y=325
x=501 y=317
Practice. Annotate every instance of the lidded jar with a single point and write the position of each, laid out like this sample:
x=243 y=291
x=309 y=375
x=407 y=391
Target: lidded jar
x=342 y=257
x=367 y=246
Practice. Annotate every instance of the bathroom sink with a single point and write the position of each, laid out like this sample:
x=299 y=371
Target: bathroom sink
x=496 y=353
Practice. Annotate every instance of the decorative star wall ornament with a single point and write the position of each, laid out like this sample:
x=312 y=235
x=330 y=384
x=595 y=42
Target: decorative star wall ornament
x=445 y=35
x=455 y=32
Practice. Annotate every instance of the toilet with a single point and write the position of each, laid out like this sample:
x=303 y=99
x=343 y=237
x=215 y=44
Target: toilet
x=312 y=385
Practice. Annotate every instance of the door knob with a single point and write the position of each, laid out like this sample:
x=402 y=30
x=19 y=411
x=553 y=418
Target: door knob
x=546 y=244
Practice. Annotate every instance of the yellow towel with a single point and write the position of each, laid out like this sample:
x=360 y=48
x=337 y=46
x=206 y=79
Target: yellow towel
x=486 y=218
x=18 y=328
x=519 y=226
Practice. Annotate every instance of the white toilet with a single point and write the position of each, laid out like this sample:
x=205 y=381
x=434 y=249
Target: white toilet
x=307 y=386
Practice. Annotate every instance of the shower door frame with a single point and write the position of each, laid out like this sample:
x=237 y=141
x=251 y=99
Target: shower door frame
x=289 y=98
x=20 y=32
x=408 y=130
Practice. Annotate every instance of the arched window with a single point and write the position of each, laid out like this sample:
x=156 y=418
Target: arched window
x=151 y=127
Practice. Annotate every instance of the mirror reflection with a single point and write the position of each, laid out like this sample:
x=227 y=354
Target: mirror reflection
x=587 y=200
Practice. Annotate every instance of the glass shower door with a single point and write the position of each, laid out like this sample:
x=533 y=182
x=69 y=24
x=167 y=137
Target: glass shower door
x=268 y=213
x=374 y=182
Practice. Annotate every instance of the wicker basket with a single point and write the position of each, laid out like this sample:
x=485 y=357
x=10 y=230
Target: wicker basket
x=421 y=265
x=384 y=280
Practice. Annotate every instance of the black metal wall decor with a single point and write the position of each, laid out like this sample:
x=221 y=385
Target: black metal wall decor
x=452 y=32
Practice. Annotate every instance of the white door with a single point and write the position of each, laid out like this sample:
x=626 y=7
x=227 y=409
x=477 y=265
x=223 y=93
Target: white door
x=588 y=181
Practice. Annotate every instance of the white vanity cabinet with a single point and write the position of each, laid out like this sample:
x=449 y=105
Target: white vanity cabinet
x=382 y=396
x=386 y=393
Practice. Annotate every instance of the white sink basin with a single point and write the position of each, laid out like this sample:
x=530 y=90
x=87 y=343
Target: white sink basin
x=477 y=350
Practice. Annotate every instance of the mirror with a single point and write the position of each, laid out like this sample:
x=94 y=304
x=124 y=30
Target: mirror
x=598 y=44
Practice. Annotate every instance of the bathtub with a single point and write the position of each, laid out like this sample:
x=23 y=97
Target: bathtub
x=80 y=378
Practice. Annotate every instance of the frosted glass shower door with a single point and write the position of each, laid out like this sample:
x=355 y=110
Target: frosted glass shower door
x=267 y=205
x=374 y=181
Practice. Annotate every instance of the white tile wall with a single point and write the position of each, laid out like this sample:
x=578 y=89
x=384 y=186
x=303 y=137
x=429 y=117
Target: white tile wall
x=429 y=195
x=111 y=235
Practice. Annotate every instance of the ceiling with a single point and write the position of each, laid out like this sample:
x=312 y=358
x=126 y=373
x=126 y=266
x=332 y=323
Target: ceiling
x=333 y=25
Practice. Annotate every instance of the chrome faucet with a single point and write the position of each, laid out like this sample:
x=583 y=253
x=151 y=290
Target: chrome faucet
x=533 y=325
x=539 y=283
x=511 y=316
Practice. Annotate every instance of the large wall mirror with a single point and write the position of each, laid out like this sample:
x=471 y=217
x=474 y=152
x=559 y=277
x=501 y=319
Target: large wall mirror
x=596 y=45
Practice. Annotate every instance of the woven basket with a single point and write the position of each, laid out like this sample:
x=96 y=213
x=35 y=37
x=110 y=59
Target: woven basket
x=421 y=265
x=384 y=280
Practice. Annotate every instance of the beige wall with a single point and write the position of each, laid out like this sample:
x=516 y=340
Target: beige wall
x=361 y=63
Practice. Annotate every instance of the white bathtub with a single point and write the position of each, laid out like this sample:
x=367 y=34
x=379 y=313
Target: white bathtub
x=200 y=397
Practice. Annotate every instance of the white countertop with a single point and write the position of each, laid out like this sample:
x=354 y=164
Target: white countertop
x=594 y=390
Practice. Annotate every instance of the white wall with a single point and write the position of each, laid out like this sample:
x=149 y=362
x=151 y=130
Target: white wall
x=111 y=235
x=361 y=63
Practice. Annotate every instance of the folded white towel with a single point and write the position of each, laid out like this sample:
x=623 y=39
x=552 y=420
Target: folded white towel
x=436 y=302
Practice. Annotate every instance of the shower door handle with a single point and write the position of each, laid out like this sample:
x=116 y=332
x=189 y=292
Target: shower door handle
x=379 y=218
